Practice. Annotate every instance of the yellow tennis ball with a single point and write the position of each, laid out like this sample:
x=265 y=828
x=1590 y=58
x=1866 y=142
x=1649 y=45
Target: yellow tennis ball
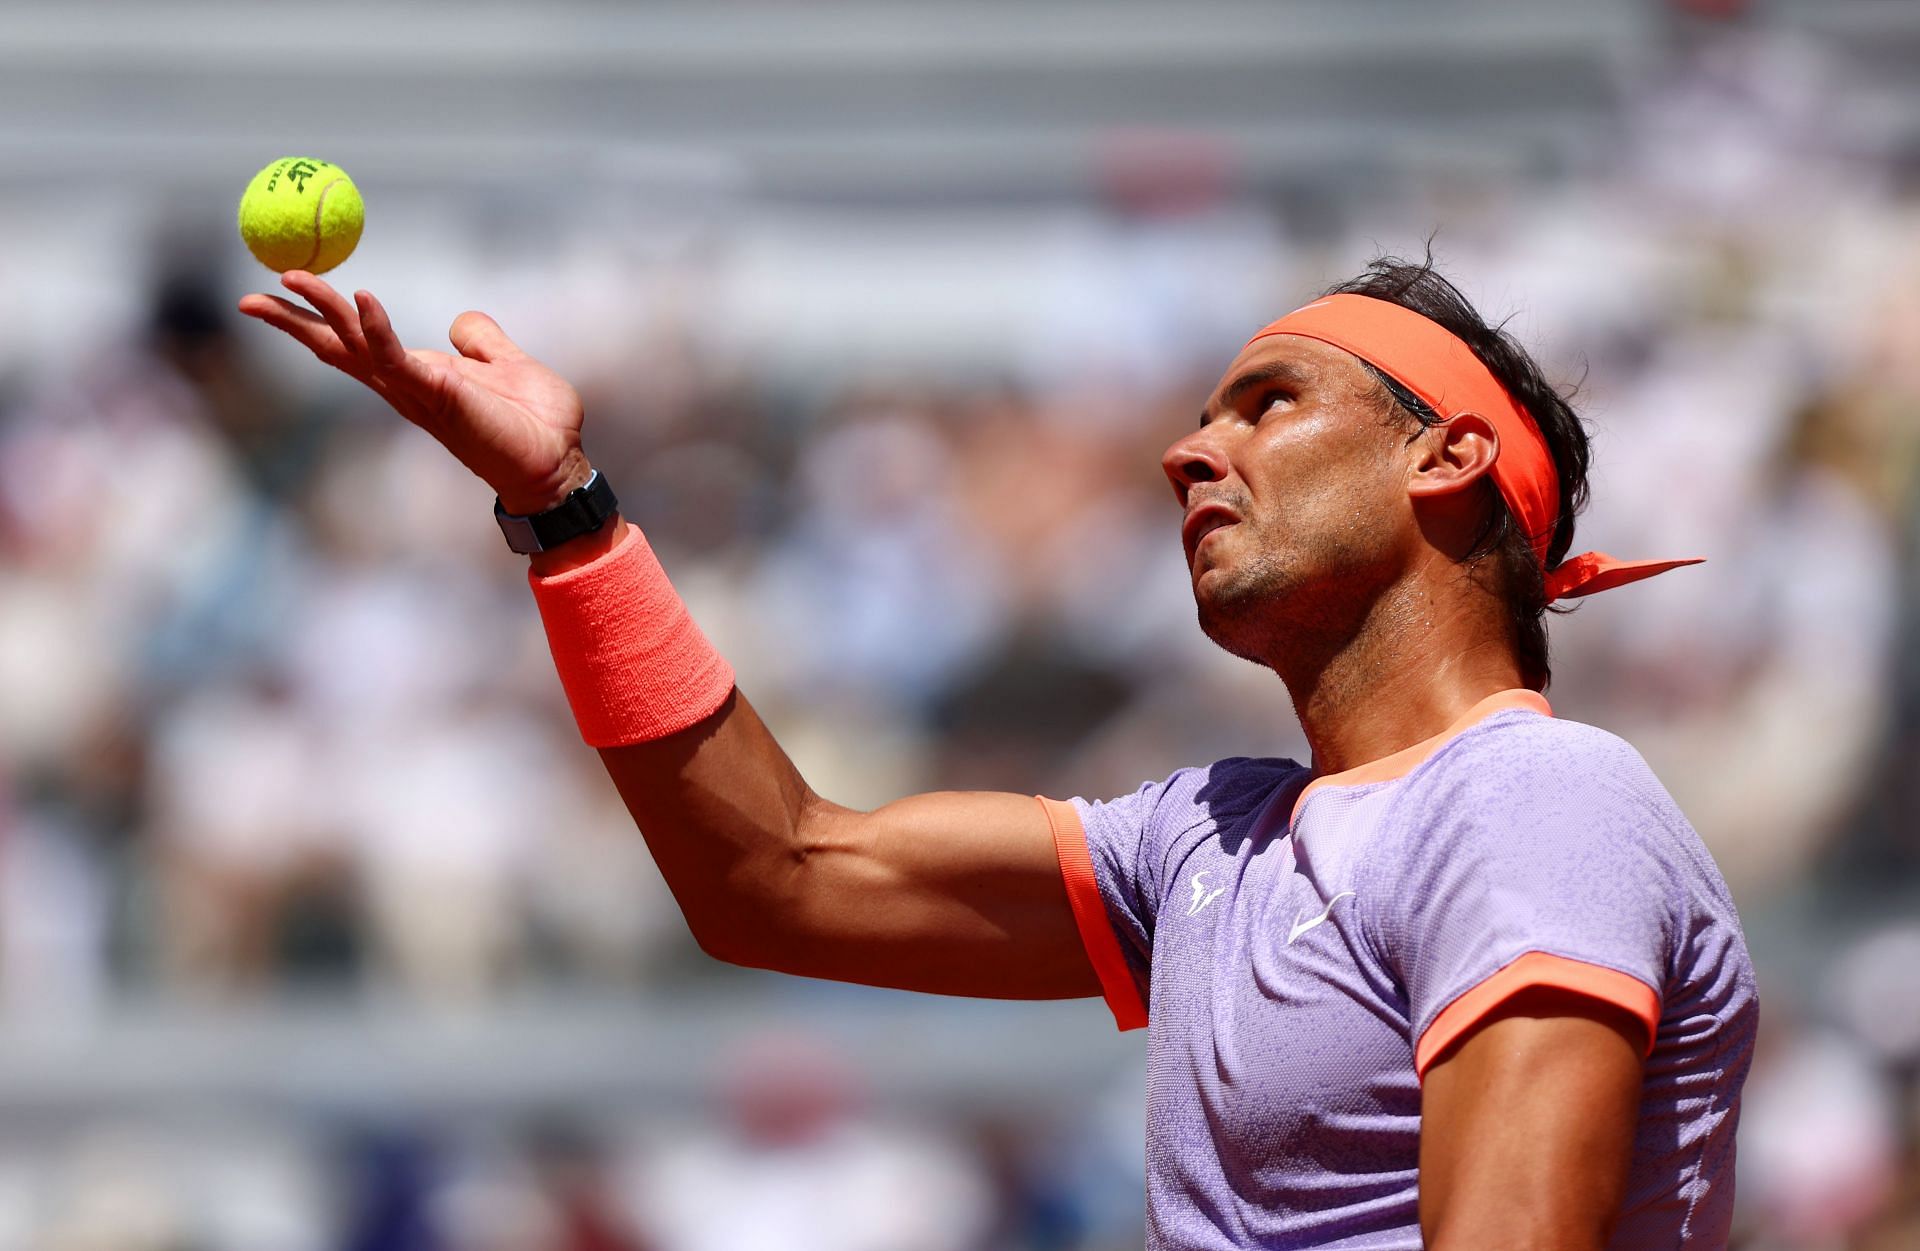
x=300 y=213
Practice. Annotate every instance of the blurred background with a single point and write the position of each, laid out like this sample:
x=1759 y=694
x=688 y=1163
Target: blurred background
x=320 y=931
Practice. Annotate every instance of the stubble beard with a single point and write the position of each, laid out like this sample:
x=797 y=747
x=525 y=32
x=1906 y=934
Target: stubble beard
x=1272 y=598
x=1237 y=608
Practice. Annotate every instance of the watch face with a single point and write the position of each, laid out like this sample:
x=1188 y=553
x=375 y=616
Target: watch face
x=519 y=531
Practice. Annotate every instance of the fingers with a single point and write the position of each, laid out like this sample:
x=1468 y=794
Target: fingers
x=383 y=345
x=397 y=371
x=304 y=327
x=357 y=338
x=479 y=337
x=377 y=358
x=341 y=315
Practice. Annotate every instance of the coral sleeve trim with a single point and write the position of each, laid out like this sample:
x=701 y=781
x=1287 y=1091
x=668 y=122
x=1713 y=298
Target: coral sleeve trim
x=1090 y=915
x=1537 y=968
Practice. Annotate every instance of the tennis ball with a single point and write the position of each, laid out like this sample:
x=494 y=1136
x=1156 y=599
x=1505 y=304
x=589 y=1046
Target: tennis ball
x=300 y=213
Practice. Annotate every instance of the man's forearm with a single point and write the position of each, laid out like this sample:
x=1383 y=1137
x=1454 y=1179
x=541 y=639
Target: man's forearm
x=722 y=809
x=718 y=802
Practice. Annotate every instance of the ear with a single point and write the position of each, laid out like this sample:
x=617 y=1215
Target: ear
x=1452 y=455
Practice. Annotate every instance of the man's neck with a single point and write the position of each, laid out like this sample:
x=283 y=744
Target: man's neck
x=1411 y=668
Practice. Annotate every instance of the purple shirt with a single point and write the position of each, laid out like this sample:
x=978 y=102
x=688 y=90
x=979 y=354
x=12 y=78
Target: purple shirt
x=1304 y=951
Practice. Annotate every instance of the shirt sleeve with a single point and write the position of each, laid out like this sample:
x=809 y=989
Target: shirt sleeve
x=1104 y=861
x=1117 y=855
x=1526 y=863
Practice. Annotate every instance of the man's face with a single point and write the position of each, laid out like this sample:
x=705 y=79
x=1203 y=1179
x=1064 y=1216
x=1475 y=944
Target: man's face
x=1294 y=490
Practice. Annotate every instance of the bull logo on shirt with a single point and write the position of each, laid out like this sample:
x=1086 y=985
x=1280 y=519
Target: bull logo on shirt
x=1201 y=895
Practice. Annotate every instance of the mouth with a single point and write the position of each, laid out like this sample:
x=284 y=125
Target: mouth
x=1201 y=522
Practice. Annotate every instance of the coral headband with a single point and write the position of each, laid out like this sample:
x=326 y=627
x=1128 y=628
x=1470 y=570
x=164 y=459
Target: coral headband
x=1426 y=359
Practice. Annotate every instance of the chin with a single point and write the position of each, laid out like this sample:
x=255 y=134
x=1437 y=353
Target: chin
x=1236 y=637
x=1234 y=612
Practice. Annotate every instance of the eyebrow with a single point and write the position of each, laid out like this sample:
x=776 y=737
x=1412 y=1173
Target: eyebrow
x=1284 y=372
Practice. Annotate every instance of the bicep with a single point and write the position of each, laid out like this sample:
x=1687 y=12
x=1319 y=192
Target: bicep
x=952 y=892
x=956 y=892
x=1527 y=1125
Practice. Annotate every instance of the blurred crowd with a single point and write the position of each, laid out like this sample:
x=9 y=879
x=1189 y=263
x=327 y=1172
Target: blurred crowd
x=278 y=718
x=789 y=1153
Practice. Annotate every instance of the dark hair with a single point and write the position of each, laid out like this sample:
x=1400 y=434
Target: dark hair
x=1502 y=548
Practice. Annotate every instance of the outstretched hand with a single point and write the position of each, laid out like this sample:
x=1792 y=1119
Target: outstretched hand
x=507 y=417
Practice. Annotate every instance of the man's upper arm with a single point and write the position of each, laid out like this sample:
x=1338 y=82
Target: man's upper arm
x=1527 y=1125
x=1534 y=939
x=986 y=894
x=951 y=892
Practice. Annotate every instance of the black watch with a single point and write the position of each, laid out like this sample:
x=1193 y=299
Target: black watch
x=584 y=510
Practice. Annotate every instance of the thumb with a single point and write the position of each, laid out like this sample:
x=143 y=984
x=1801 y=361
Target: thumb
x=479 y=337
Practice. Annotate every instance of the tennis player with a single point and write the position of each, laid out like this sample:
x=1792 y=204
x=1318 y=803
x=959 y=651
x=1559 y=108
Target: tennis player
x=1469 y=980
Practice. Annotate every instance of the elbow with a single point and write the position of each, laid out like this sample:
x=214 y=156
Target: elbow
x=729 y=944
x=740 y=931
x=755 y=911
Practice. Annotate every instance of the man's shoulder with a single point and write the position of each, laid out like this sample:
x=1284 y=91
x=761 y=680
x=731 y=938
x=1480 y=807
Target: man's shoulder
x=1523 y=777
x=1528 y=746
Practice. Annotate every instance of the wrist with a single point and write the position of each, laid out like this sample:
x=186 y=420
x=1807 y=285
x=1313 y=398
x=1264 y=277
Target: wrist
x=577 y=552
x=633 y=664
x=551 y=492
x=585 y=511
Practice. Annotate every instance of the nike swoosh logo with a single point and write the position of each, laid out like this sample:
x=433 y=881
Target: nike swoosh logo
x=1300 y=927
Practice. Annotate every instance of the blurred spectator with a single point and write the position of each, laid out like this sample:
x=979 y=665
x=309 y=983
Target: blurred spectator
x=793 y=1163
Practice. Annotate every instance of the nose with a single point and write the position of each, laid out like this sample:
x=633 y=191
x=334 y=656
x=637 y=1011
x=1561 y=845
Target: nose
x=1193 y=459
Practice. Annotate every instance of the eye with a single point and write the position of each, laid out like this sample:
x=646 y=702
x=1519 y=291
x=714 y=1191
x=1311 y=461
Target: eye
x=1269 y=398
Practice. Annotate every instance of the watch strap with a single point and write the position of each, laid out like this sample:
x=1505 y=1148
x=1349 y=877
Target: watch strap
x=586 y=508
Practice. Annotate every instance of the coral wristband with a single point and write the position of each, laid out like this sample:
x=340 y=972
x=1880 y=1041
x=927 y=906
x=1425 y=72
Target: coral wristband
x=634 y=665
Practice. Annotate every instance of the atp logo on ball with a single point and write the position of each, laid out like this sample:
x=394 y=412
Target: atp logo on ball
x=296 y=172
x=299 y=172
